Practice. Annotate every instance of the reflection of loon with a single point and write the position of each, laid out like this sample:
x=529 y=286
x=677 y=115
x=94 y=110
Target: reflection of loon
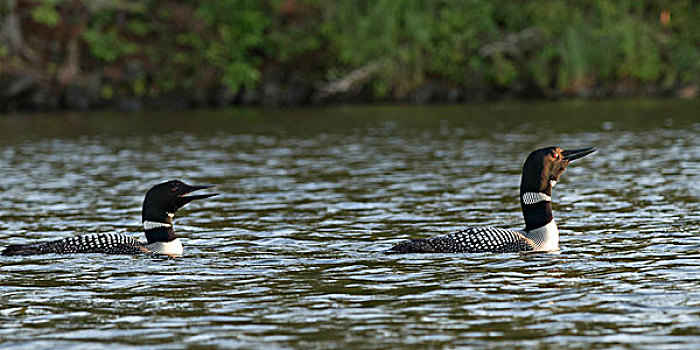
x=159 y=206
x=540 y=173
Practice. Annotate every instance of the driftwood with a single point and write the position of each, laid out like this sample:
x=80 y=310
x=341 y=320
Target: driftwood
x=351 y=81
x=515 y=45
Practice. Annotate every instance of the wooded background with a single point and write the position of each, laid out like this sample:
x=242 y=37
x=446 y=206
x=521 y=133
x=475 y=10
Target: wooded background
x=80 y=54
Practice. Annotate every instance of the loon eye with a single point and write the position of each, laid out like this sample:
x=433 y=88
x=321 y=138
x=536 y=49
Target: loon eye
x=555 y=155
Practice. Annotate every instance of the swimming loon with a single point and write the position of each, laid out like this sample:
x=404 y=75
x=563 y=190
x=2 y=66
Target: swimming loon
x=541 y=172
x=159 y=206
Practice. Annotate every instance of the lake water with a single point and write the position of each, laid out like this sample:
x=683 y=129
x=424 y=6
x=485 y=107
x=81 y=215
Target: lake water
x=289 y=255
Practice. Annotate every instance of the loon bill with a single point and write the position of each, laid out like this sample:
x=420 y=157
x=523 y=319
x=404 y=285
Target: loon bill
x=159 y=206
x=541 y=172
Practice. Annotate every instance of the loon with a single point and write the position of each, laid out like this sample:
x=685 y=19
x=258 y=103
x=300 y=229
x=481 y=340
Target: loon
x=541 y=172
x=159 y=207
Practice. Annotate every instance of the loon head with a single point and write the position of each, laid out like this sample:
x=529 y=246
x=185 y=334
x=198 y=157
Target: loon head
x=541 y=172
x=544 y=166
x=160 y=205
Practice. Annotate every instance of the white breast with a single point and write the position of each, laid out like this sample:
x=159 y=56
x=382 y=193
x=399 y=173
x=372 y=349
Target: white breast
x=172 y=248
x=546 y=238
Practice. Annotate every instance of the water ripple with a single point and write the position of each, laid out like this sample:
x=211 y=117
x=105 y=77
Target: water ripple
x=289 y=255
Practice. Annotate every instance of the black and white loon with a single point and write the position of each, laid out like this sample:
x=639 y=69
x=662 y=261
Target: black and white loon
x=159 y=207
x=541 y=172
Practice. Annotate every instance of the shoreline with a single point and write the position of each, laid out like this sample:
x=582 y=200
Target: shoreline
x=23 y=93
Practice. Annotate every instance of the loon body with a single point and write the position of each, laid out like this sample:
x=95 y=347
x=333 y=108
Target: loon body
x=541 y=172
x=159 y=206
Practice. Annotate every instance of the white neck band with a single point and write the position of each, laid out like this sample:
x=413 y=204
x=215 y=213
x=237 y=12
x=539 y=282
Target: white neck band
x=149 y=225
x=535 y=197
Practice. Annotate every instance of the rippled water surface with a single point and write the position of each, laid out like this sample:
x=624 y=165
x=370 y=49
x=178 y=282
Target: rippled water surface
x=289 y=254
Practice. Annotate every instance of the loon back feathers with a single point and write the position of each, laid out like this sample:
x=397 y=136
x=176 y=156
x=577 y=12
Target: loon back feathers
x=541 y=172
x=471 y=240
x=159 y=206
x=108 y=243
x=483 y=240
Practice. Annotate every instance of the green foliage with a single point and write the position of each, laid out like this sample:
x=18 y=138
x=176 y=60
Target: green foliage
x=416 y=39
x=107 y=92
x=504 y=71
x=139 y=87
x=46 y=14
x=600 y=42
x=107 y=44
x=459 y=30
x=196 y=46
x=137 y=27
x=239 y=29
x=683 y=46
x=4 y=51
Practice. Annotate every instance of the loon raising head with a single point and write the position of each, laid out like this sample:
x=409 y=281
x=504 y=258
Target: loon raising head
x=159 y=206
x=541 y=172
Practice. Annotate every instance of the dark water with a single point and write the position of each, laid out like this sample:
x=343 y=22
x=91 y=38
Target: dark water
x=288 y=256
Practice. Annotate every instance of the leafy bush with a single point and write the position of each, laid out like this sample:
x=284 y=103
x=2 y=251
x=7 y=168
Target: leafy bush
x=196 y=46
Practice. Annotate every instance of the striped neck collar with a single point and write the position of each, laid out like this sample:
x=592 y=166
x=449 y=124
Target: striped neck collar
x=535 y=197
x=149 y=225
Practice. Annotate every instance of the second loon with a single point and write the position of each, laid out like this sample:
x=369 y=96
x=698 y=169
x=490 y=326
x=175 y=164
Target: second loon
x=159 y=207
x=541 y=172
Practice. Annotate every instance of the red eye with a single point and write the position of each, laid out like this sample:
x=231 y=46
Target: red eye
x=555 y=155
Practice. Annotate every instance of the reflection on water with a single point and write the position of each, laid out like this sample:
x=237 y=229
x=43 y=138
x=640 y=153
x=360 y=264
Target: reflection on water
x=289 y=255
